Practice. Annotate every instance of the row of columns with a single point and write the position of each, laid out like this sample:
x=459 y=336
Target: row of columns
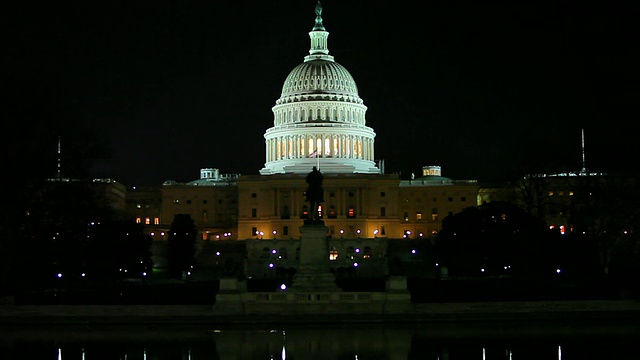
x=284 y=116
x=337 y=146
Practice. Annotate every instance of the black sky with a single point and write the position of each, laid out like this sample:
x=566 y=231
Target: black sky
x=484 y=89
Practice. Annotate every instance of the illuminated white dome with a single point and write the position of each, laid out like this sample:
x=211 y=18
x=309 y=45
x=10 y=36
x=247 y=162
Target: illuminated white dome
x=319 y=119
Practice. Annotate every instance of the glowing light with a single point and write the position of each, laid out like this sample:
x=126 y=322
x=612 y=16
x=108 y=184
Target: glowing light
x=558 y=271
x=414 y=251
x=217 y=253
x=283 y=287
x=375 y=232
x=271 y=265
x=59 y=275
x=355 y=264
x=274 y=251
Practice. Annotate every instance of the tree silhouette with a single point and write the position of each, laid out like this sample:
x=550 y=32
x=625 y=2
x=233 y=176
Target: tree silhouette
x=494 y=239
x=181 y=245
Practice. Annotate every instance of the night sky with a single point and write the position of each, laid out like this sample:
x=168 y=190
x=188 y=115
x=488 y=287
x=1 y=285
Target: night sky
x=487 y=90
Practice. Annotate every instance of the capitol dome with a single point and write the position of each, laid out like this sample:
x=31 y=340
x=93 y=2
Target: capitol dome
x=319 y=119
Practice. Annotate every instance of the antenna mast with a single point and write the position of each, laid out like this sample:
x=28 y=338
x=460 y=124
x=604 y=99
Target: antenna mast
x=59 y=161
x=584 y=164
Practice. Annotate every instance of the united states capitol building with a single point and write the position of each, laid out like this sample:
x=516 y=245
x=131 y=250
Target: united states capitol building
x=318 y=121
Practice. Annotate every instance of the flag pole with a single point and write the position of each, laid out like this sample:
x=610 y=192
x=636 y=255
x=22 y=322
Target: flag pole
x=318 y=160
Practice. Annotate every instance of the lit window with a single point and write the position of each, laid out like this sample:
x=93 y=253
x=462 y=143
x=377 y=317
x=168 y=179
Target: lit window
x=333 y=254
x=139 y=206
x=434 y=217
x=570 y=193
x=550 y=193
x=138 y=220
x=367 y=253
x=562 y=229
x=254 y=212
x=156 y=221
x=351 y=212
x=418 y=216
x=147 y=221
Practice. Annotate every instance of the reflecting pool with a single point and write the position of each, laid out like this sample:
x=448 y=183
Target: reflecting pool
x=314 y=341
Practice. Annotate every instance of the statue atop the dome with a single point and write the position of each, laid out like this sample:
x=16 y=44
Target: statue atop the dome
x=318 y=25
x=314 y=193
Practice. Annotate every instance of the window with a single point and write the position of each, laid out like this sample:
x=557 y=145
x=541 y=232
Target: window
x=204 y=201
x=254 y=212
x=285 y=213
x=450 y=199
x=550 y=193
x=176 y=201
x=366 y=254
x=382 y=194
x=333 y=254
x=434 y=217
x=332 y=212
x=383 y=211
x=254 y=195
x=418 y=216
x=350 y=194
x=285 y=230
x=254 y=231
x=147 y=221
x=406 y=216
x=188 y=202
x=156 y=221
x=305 y=213
x=351 y=212
x=139 y=206
x=205 y=216
x=463 y=199
x=138 y=220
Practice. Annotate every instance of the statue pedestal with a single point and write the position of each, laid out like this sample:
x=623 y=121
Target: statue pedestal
x=314 y=272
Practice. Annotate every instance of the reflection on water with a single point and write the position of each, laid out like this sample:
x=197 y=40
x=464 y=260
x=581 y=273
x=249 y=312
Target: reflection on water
x=355 y=342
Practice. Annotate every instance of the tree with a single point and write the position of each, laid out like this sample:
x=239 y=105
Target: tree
x=493 y=239
x=118 y=249
x=606 y=212
x=181 y=245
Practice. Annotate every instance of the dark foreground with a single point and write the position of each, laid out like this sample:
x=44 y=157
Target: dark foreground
x=613 y=311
